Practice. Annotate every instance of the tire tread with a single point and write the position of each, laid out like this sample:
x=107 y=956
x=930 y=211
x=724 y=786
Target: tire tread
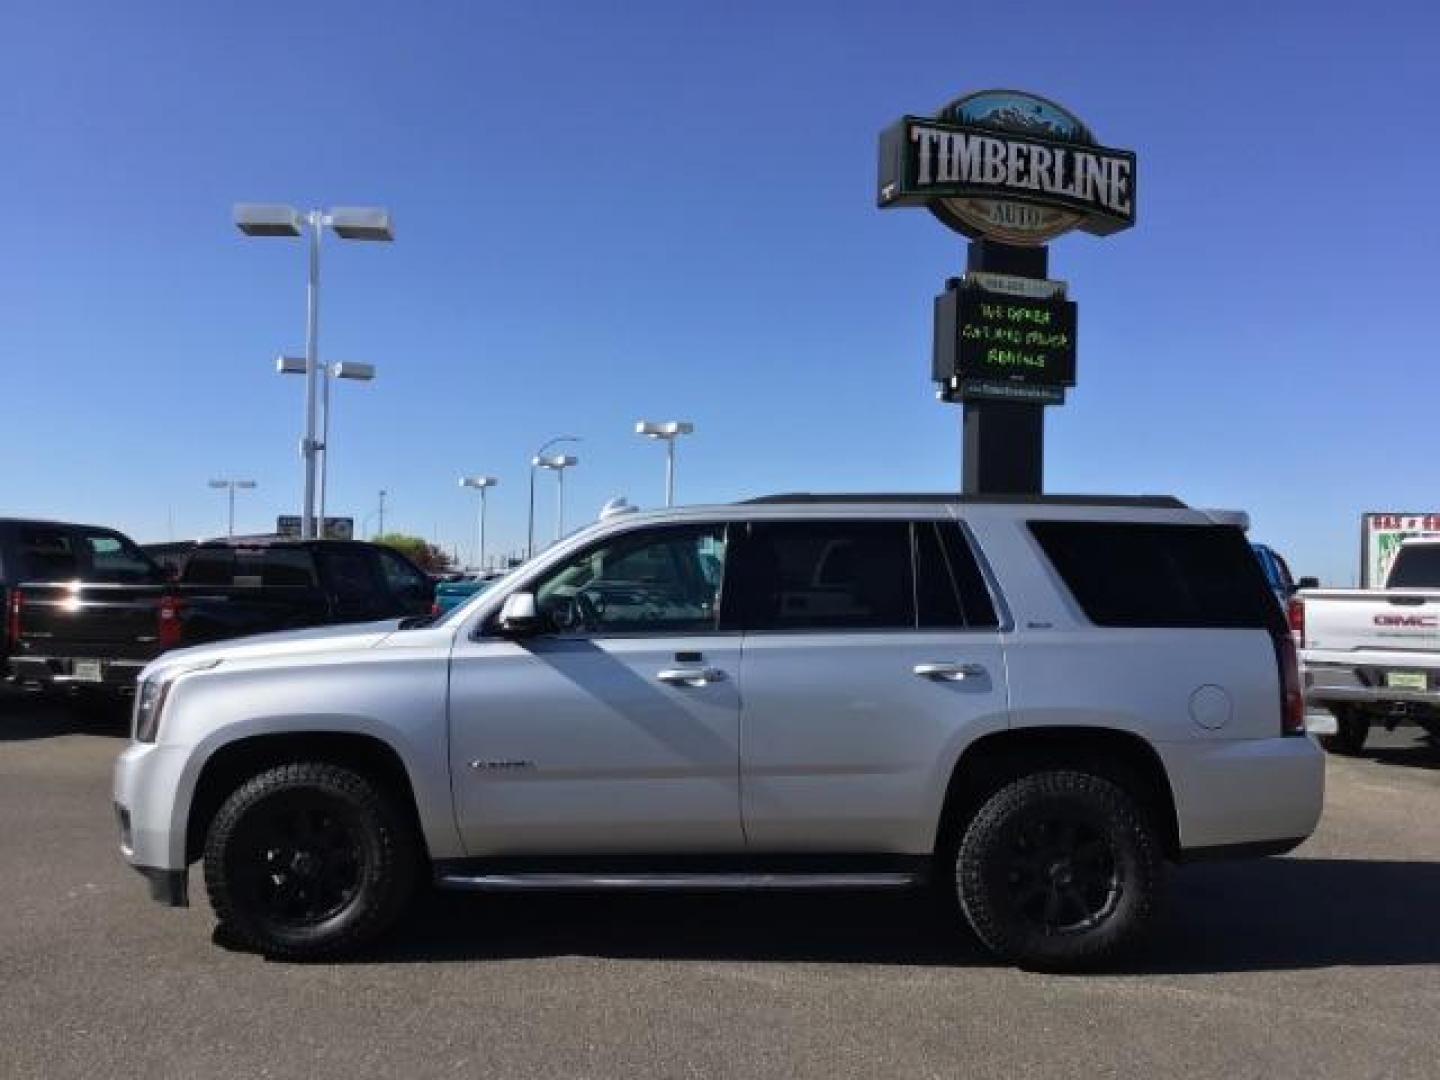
x=392 y=875
x=1087 y=950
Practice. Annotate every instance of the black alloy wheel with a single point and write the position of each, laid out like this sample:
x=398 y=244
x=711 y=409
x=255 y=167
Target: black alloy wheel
x=1062 y=874
x=1059 y=870
x=309 y=859
x=300 y=860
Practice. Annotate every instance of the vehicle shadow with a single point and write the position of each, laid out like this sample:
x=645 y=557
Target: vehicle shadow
x=26 y=716
x=1422 y=753
x=1273 y=914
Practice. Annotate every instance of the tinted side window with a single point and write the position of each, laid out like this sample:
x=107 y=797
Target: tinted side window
x=350 y=575
x=279 y=566
x=115 y=559
x=828 y=575
x=210 y=566
x=949 y=588
x=1132 y=574
x=46 y=554
x=401 y=578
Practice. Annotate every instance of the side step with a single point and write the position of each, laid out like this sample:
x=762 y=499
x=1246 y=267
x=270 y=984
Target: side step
x=550 y=882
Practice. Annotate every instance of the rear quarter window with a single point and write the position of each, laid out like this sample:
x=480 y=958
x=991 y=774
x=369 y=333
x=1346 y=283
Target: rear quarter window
x=1152 y=575
x=47 y=553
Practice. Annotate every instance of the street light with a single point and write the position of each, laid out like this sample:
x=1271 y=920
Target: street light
x=349 y=223
x=344 y=369
x=480 y=484
x=243 y=485
x=669 y=431
x=534 y=461
x=559 y=463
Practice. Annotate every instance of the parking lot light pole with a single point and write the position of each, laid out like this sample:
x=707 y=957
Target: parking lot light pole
x=344 y=369
x=348 y=223
x=558 y=463
x=534 y=462
x=243 y=485
x=480 y=484
x=669 y=431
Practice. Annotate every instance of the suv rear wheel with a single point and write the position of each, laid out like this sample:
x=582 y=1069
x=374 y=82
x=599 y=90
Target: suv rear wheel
x=1059 y=870
x=308 y=859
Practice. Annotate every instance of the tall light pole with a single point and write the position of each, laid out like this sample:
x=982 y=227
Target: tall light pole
x=558 y=463
x=243 y=485
x=480 y=484
x=668 y=431
x=348 y=223
x=534 y=462
x=365 y=524
x=344 y=369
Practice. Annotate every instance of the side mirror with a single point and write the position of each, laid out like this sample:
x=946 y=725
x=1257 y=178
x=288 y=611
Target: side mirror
x=519 y=617
x=1308 y=583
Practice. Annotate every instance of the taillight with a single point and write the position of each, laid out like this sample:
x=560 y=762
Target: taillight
x=1296 y=614
x=12 y=623
x=435 y=611
x=1292 y=693
x=169 y=631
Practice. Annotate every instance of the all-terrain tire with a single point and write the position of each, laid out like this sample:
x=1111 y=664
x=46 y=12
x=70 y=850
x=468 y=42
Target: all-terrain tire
x=308 y=860
x=1012 y=866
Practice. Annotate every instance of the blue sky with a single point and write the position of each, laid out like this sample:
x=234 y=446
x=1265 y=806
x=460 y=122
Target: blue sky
x=665 y=210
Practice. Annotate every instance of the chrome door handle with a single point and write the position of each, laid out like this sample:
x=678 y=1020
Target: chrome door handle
x=949 y=672
x=690 y=676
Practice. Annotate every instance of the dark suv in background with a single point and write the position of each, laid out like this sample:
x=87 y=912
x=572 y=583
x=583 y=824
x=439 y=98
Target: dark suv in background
x=86 y=608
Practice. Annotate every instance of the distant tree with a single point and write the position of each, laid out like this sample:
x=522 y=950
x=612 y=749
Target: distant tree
x=418 y=550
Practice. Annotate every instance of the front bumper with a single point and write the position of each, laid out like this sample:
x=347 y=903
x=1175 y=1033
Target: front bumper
x=147 y=785
x=1245 y=793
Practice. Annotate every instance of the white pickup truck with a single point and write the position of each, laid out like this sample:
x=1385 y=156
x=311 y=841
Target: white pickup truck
x=1373 y=655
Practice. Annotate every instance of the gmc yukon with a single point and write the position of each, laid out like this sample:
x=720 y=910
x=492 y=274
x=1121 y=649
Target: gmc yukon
x=1031 y=705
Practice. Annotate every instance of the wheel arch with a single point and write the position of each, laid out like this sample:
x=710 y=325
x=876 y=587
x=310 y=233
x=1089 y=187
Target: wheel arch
x=993 y=760
x=234 y=762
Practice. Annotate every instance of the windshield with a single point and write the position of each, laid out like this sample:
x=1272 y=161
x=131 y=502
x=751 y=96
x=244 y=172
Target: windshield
x=1417 y=566
x=459 y=610
x=498 y=584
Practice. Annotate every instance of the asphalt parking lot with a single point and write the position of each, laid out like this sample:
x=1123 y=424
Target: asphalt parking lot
x=1324 y=963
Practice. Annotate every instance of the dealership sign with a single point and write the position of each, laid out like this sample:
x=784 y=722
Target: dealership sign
x=996 y=345
x=1008 y=166
x=1382 y=533
x=335 y=528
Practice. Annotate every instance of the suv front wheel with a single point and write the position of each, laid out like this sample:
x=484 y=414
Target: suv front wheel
x=308 y=859
x=1059 y=870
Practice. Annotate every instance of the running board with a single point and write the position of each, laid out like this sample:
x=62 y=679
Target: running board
x=542 y=882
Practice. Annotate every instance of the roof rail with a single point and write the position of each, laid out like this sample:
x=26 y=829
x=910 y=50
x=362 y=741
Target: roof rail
x=1160 y=502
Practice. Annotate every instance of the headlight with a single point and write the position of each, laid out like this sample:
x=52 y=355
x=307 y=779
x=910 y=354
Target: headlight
x=150 y=699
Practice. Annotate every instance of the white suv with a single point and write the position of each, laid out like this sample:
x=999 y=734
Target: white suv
x=1031 y=704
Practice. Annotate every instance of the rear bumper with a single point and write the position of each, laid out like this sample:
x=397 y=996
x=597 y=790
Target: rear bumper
x=1340 y=684
x=61 y=671
x=1248 y=793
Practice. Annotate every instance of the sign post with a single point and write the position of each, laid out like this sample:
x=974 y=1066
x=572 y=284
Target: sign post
x=1011 y=171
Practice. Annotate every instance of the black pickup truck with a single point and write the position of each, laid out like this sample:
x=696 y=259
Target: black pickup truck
x=96 y=626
